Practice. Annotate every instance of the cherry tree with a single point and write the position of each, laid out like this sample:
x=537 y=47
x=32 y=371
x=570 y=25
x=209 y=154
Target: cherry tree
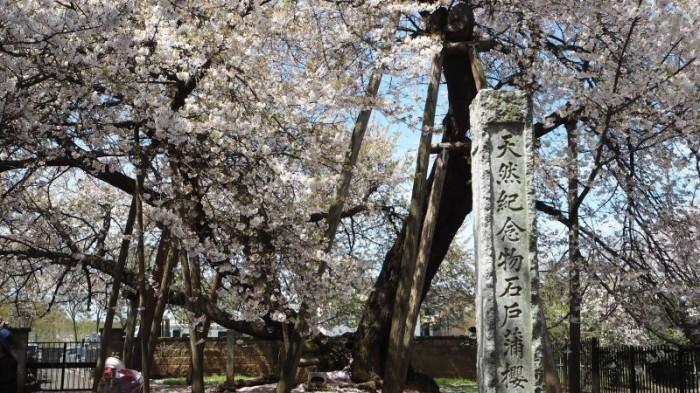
x=622 y=78
x=226 y=124
x=230 y=122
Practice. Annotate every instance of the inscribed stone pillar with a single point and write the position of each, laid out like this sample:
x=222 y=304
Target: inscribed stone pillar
x=508 y=340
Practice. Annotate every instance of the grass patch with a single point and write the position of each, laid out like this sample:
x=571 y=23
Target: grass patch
x=456 y=385
x=209 y=380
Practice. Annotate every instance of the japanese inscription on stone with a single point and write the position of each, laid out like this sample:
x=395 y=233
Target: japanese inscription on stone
x=504 y=223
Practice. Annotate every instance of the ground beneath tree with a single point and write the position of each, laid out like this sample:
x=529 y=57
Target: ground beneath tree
x=338 y=381
x=161 y=388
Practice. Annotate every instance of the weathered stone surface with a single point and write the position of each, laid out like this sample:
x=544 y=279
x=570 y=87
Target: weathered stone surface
x=498 y=106
x=252 y=357
x=508 y=353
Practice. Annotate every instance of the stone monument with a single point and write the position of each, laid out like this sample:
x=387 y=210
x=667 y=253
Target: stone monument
x=508 y=340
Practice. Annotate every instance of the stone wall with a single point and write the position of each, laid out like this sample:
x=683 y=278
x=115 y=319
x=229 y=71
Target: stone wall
x=445 y=356
x=251 y=357
x=433 y=356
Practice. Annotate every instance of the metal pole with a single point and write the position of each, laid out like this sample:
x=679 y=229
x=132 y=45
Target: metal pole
x=63 y=364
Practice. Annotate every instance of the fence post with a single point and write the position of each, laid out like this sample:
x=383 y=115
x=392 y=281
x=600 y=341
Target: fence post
x=595 y=366
x=633 y=371
x=683 y=371
x=63 y=365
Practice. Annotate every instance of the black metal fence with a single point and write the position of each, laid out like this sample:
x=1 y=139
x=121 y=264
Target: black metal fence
x=632 y=369
x=62 y=366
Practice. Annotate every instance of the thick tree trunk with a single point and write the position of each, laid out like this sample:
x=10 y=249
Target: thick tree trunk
x=456 y=202
x=292 y=347
x=190 y=273
x=399 y=351
x=149 y=313
x=373 y=330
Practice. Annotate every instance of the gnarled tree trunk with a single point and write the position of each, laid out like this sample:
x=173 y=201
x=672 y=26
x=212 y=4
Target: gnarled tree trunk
x=290 y=354
x=373 y=331
x=369 y=352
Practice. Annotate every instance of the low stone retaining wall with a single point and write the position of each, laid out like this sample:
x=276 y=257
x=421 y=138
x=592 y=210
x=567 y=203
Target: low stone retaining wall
x=252 y=356
x=445 y=356
x=433 y=356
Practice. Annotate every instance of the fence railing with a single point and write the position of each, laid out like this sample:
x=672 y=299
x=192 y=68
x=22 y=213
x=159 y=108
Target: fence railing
x=62 y=366
x=633 y=369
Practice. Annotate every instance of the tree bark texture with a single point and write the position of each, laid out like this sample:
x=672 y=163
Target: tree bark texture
x=197 y=360
x=372 y=335
x=397 y=365
x=190 y=277
x=170 y=261
x=400 y=345
x=128 y=352
x=290 y=354
x=149 y=316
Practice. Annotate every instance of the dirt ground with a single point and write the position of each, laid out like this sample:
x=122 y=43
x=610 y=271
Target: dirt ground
x=256 y=389
x=335 y=380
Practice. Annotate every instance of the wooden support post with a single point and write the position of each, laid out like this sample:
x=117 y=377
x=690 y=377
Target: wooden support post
x=170 y=262
x=351 y=156
x=114 y=293
x=462 y=147
x=231 y=336
x=396 y=365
